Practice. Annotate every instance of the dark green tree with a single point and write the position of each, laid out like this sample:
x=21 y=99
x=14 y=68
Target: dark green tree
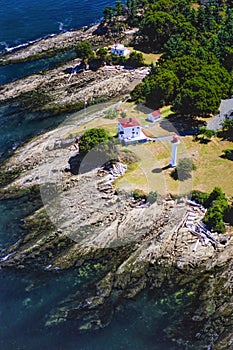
x=131 y=6
x=119 y=8
x=157 y=27
x=163 y=88
x=102 y=53
x=108 y=13
x=227 y=125
x=136 y=59
x=184 y=169
x=217 y=208
x=197 y=97
x=84 y=50
x=92 y=138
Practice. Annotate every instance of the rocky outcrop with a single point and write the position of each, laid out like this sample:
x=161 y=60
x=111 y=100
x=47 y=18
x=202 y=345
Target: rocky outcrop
x=136 y=248
x=84 y=220
x=53 y=44
x=56 y=91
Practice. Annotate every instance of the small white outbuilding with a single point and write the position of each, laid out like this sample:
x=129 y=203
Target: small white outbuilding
x=154 y=116
x=119 y=49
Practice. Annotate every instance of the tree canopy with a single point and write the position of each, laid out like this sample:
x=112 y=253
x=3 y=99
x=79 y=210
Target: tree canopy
x=84 y=50
x=191 y=85
x=92 y=138
x=195 y=70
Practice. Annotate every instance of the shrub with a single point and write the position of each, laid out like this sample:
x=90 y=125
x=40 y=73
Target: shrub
x=128 y=157
x=92 y=138
x=139 y=194
x=216 y=194
x=84 y=50
x=214 y=219
x=228 y=153
x=152 y=197
x=183 y=169
x=206 y=134
x=199 y=197
x=135 y=59
x=217 y=207
x=111 y=113
x=227 y=124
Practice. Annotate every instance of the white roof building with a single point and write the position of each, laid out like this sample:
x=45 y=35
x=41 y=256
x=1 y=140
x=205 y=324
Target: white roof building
x=119 y=49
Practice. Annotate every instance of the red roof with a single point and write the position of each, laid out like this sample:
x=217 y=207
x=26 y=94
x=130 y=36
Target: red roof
x=129 y=122
x=156 y=113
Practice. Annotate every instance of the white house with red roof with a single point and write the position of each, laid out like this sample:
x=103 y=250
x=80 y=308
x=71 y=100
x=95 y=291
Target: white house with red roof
x=130 y=129
x=119 y=49
x=154 y=116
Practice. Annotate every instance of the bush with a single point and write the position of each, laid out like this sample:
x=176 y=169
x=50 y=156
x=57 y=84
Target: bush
x=135 y=59
x=216 y=194
x=111 y=114
x=183 y=169
x=152 y=197
x=206 y=134
x=214 y=219
x=199 y=197
x=139 y=194
x=92 y=138
x=84 y=50
x=128 y=157
x=217 y=207
x=228 y=153
x=227 y=124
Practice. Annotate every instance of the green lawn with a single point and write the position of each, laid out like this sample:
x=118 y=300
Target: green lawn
x=212 y=170
x=149 y=58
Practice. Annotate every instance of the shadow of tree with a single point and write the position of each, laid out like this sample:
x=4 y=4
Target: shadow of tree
x=226 y=135
x=84 y=163
x=181 y=124
x=180 y=175
x=229 y=216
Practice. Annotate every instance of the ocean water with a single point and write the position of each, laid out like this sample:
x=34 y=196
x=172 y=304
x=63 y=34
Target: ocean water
x=24 y=21
x=26 y=297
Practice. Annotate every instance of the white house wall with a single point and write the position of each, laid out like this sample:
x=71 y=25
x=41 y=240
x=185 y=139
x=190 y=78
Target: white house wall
x=129 y=132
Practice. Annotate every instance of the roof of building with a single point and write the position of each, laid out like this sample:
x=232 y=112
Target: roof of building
x=156 y=113
x=226 y=106
x=128 y=122
x=118 y=46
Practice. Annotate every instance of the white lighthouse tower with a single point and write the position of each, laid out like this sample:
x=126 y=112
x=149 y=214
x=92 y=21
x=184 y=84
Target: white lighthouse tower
x=175 y=142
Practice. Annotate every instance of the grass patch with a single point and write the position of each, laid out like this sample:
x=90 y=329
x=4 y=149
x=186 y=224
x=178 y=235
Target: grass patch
x=149 y=58
x=211 y=169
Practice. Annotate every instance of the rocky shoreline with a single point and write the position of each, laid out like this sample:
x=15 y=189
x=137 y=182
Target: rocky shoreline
x=54 y=44
x=57 y=90
x=135 y=247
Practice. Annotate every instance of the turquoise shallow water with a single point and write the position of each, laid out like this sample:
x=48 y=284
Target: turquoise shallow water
x=26 y=297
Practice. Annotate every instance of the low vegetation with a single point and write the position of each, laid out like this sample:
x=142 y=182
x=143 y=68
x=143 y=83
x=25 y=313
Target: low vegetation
x=92 y=138
x=141 y=195
x=217 y=208
x=194 y=72
x=184 y=169
x=8 y=176
x=228 y=153
x=204 y=135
